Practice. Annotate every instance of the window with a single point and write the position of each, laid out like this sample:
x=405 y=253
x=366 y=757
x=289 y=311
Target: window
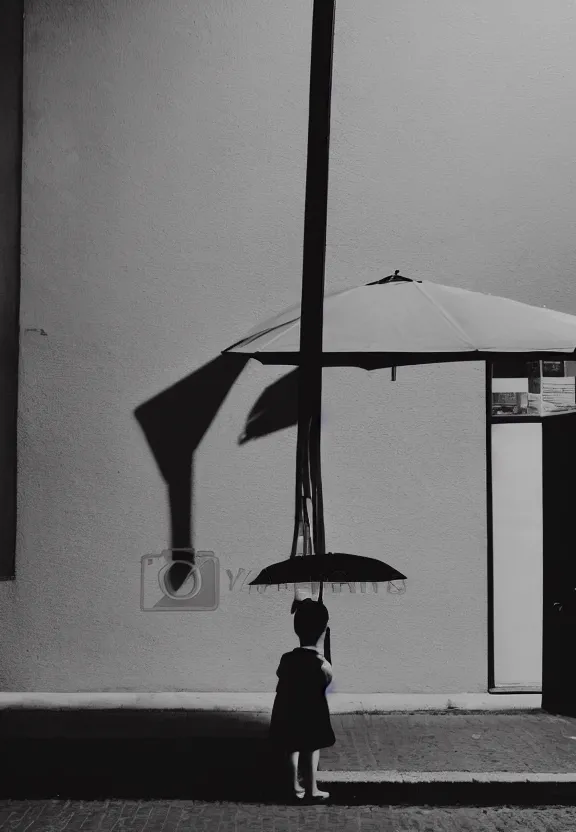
x=533 y=388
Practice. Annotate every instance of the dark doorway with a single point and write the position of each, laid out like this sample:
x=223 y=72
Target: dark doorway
x=559 y=471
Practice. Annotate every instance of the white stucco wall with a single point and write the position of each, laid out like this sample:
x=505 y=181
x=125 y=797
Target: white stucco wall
x=163 y=192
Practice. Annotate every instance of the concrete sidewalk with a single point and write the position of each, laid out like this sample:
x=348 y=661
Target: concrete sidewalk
x=453 y=758
x=424 y=742
x=414 y=758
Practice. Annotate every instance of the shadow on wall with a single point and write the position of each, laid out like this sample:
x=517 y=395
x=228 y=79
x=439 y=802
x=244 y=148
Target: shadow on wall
x=175 y=421
x=277 y=408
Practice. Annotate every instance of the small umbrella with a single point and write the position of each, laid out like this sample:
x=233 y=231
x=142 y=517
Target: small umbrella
x=332 y=567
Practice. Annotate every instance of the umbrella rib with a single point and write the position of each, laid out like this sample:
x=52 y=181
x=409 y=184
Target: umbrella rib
x=289 y=324
x=249 y=339
x=294 y=322
x=446 y=316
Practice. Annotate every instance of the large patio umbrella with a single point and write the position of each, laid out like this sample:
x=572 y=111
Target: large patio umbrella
x=387 y=323
x=399 y=321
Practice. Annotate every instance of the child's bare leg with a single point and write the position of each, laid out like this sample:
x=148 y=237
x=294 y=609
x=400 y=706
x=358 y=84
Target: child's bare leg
x=309 y=761
x=293 y=765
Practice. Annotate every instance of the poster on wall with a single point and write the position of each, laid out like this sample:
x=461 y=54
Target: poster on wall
x=558 y=395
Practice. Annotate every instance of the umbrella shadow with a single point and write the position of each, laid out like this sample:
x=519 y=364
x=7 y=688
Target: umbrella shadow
x=275 y=409
x=176 y=421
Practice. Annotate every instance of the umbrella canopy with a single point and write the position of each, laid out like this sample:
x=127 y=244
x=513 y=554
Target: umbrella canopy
x=401 y=321
x=332 y=567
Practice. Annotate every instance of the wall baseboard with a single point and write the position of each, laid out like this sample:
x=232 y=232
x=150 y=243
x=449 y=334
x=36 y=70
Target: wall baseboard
x=340 y=703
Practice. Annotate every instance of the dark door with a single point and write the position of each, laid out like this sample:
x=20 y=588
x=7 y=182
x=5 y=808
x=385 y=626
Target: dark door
x=559 y=634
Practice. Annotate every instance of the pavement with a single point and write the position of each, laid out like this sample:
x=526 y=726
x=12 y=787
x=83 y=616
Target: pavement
x=389 y=759
x=197 y=816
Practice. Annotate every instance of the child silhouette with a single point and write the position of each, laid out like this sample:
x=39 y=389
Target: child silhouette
x=300 y=723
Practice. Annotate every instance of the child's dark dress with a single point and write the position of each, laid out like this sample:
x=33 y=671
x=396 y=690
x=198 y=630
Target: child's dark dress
x=300 y=716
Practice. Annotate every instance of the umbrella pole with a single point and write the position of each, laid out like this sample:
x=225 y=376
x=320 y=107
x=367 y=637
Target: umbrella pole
x=316 y=482
x=298 y=497
x=304 y=496
x=314 y=259
x=313 y=267
x=316 y=474
x=314 y=254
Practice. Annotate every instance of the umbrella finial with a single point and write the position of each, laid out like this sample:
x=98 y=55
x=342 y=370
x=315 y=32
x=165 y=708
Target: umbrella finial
x=392 y=278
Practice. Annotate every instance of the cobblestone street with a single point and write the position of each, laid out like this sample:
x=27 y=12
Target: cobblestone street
x=189 y=816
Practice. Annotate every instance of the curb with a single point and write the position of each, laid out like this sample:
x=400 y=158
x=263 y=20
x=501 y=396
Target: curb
x=346 y=788
x=447 y=788
x=446 y=777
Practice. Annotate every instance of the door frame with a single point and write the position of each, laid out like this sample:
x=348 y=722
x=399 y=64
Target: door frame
x=490 y=421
